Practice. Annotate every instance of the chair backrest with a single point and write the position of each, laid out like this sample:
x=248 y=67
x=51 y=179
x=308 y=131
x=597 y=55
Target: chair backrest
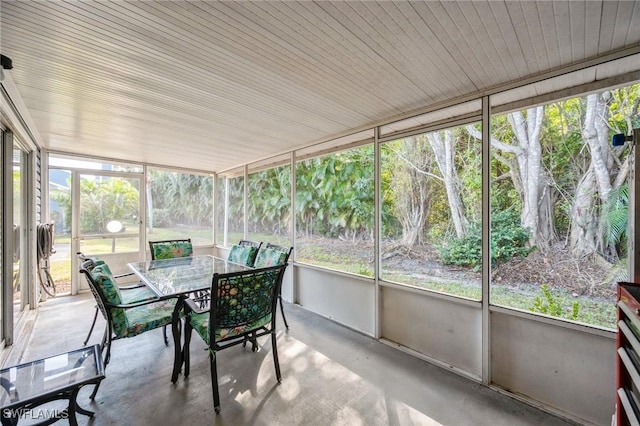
x=244 y=255
x=256 y=244
x=105 y=291
x=169 y=249
x=95 y=260
x=243 y=301
x=272 y=255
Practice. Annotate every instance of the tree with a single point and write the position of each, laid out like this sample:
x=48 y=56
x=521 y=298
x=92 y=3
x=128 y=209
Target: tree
x=411 y=186
x=334 y=194
x=179 y=198
x=443 y=145
x=606 y=173
x=522 y=154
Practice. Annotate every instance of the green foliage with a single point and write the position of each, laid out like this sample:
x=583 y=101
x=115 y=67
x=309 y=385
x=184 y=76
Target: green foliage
x=364 y=270
x=101 y=201
x=548 y=304
x=465 y=251
x=180 y=198
x=616 y=212
x=335 y=194
x=508 y=240
x=269 y=200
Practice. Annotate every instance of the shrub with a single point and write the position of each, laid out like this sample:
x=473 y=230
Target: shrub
x=549 y=304
x=508 y=240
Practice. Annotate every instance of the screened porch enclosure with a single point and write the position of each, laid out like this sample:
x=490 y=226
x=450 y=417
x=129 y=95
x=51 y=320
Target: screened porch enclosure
x=417 y=257
x=444 y=172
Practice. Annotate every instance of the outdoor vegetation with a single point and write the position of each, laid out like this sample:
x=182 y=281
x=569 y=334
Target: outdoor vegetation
x=558 y=195
x=558 y=198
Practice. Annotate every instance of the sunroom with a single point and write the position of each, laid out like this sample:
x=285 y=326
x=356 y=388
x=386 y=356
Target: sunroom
x=444 y=171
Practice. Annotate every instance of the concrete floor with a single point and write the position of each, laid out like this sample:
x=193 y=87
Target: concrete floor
x=331 y=376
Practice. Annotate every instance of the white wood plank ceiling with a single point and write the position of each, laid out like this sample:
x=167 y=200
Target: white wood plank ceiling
x=211 y=85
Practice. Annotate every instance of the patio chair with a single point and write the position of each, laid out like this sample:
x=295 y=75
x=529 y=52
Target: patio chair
x=242 y=307
x=244 y=254
x=122 y=319
x=272 y=255
x=131 y=293
x=256 y=244
x=168 y=249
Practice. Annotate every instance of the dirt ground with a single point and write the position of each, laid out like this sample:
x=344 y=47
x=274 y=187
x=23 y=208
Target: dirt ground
x=556 y=268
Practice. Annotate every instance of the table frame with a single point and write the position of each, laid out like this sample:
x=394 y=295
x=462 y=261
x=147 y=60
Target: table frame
x=9 y=412
x=176 y=323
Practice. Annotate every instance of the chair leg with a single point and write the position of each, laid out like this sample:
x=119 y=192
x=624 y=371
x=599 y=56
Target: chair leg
x=254 y=342
x=93 y=324
x=282 y=311
x=164 y=333
x=214 y=380
x=274 y=348
x=185 y=351
x=107 y=344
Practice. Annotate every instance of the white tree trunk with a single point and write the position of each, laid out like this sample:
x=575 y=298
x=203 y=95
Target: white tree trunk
x=412 y=188
x=596 y=135
x=593 y=189
x=529 y=177
x=444 y=150
x=583 y=217
x=529 y=158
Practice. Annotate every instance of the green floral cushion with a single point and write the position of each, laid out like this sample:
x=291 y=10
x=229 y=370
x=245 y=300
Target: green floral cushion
x=242 y=303
x=132 y=321
x=269 y=257
x=172 y=249
x=143 y=318
x=137 y=294
x=103 y=278
x=200 y=323
x=244 y=255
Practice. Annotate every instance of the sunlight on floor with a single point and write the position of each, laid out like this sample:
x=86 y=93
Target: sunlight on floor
x=355 y=402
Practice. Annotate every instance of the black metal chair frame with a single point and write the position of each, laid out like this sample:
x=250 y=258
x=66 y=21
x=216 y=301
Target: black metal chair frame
x=256 y=244
x=152 y=243
x=105 y=308
x=287 y=250
x=193 y=305
x=139 y=284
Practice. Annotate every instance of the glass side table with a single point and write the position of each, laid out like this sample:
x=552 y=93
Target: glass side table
x=26 y=386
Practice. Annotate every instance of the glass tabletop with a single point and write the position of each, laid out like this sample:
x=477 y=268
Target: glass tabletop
x=168 y=277
x=35 y=379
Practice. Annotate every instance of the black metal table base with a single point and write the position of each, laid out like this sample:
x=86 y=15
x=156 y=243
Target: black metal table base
x=176 y=330
x=11 y=416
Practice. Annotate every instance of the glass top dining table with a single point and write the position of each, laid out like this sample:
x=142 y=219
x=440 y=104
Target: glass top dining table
x=183 y=275
x=177 y=278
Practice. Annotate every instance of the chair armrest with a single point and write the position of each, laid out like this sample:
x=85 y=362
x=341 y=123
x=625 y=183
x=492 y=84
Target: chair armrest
x=123 y=275
x=136 y=304
x=128 y=286
x=132 y=286
x=191 y=305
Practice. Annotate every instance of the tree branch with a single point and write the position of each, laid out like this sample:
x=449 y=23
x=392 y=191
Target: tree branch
x=494 y=142
x=414 y=167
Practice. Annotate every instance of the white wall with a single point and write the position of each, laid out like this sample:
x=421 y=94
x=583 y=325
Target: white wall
x=448 y=331
x=563 y=368
x=346 y=299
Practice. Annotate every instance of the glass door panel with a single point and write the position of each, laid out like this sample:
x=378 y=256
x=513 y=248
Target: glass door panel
x=60 y=215
x=19 y=213
x=109 y=214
